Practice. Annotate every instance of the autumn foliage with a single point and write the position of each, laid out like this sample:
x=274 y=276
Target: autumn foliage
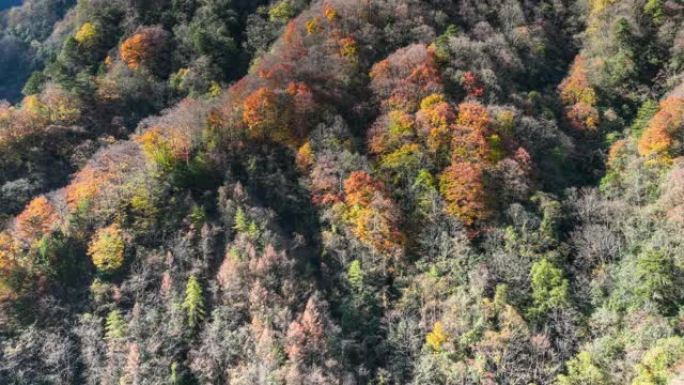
x=279 y=114
x=576 y=87
x=165 y=148
x=416 y=123
x=224 y=171
x=260 y=111
x=661 y=136
x=37 y=219
x=472 y=85
x=85 y=186
x=107 y=249
x=421 y=129
x=301 y=106
x=348 y=47
x=306 y=336
x=463 y=187
x=143 y=48
x=305 y=156
x=437 y=337
x=327 y=181
x=37 y=112
x=472 y=140
x=473 y=116
x=615 y=153
x=102 y=175
x=330 y=12
x=579 y=97
x=435 y=121
x=581 y=116
x=391 y=131
x=8 y=264
x=87 y=35
x=360 y=188
x=405 y=77
x=372 y=215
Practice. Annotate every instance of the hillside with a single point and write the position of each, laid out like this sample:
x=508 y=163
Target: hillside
x=342 y=192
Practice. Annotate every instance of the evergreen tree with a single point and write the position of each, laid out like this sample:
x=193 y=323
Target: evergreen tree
x=194 y=302
x=115 y=326
x=355 y=275
x=241 y=222
x=658 y=279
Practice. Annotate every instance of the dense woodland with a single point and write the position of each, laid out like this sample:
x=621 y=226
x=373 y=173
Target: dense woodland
x=385 y=192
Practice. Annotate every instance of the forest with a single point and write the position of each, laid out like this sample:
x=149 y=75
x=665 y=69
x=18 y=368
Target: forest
x=342 y=192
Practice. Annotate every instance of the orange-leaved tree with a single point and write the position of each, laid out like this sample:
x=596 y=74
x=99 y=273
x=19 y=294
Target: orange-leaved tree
x=435 y=120
x=8 y=264
x=575 y=88
x=660 y=137
x=36 y=220
x=103 y=175
x=373 y=216
x=144 y=48
x=471 y=139
x=405 y=77
x=260 y=112
x=85 y=186
x=579 y=97
x=463 y=187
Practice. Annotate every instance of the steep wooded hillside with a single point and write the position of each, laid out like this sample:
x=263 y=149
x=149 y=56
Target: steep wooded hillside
x=342 y=192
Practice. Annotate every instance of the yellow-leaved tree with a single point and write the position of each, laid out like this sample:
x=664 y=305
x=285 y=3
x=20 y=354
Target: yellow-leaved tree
x=107 y=249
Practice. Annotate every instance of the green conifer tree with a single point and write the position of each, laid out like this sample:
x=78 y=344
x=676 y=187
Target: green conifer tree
x=241 y=222
x=194 y=302
x=355 y=275
x=115 y=326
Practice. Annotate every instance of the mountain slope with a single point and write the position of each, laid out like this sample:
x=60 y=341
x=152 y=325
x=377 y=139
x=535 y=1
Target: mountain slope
x=394 y=192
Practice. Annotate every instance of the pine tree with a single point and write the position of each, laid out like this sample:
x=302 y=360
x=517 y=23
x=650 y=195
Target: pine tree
x=241 y=223
x=115 y=326
x=355 y=275
x=253 y=230
x=657 y=279
x=174 y=378
x=194 y=302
